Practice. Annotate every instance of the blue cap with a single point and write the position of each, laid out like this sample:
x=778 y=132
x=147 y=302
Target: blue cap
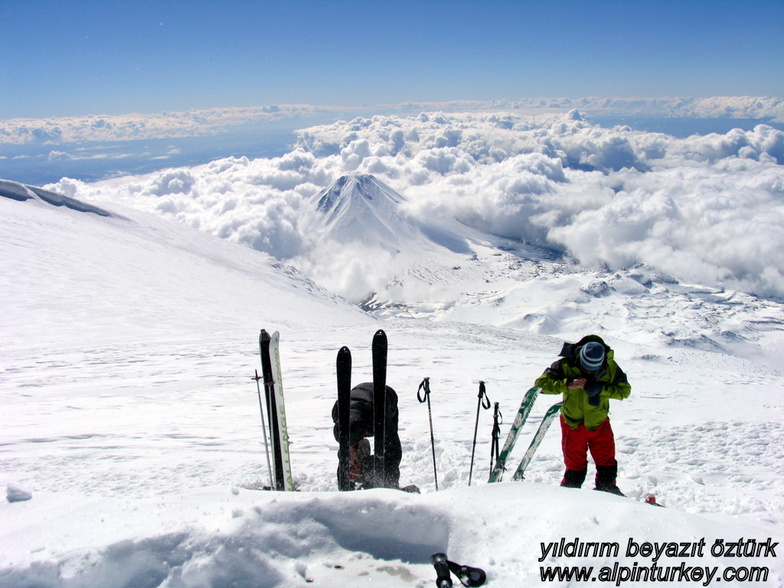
x=592 y=356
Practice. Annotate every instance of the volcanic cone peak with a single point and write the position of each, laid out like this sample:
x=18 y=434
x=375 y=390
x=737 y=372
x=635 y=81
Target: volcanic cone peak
x=362 y=208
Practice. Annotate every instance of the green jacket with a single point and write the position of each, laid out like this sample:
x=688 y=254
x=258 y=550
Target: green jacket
x=579 y=407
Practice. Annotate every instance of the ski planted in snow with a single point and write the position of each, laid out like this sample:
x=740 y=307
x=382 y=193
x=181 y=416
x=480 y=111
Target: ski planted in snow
x=379 y=352
x=276 y=409
x=522 y=414
x=343 y=367
x=280 y=406
x=547 y=420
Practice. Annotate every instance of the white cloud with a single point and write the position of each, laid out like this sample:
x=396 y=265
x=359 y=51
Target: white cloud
x=705 y=209
x=127 y=127
x=506 y=113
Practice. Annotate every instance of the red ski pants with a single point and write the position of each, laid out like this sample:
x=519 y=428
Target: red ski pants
x=577 y=442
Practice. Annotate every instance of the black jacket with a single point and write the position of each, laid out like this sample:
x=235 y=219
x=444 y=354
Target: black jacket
x=361 y=425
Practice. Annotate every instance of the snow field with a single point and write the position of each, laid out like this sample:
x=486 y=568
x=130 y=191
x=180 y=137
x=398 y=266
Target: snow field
x=130 y=417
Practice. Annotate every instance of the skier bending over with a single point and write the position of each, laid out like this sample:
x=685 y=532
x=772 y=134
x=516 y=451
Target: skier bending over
x=588 y=377
x=362 y=469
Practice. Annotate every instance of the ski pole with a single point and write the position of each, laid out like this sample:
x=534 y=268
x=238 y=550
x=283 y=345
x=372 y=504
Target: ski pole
x=443 y=579
x=498 y=418
x=423 y=393
x=483 y=402
x=264 y=428
x=467 y=575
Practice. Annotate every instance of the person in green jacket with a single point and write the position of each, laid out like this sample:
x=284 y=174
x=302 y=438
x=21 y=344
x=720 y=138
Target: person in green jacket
x=588 y=377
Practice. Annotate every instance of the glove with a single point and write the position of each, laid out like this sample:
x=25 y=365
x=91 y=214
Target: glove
x=594 y=389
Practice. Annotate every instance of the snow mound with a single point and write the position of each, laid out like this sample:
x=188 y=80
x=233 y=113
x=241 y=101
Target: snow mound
x=14 y=494
x=380 y=537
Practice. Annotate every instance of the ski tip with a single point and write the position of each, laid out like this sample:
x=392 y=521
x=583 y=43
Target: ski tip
x=380 y=333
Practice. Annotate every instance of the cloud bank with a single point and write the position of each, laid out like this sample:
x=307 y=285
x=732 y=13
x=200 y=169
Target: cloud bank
x=704 y=209
x=129 y=127
x=21 y=131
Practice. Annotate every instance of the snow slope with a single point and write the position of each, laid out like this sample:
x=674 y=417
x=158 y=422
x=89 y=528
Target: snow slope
x=130 y=421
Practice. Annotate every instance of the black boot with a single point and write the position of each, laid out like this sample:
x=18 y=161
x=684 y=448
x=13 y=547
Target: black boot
x=573 y=478
x=605 y=479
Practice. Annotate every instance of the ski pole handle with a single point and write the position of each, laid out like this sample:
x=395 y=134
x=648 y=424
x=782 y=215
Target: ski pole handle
x=467 y=575
x=443 y=579
x=424 y=390
x=498 y=418
x=484 y=401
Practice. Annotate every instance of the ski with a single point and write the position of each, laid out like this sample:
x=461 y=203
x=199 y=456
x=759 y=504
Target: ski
x=522 y=414
x=273 y=392
x=547 y=420
x=343 y=367
x=379 y=352
x=280 y=406
x=269 y=397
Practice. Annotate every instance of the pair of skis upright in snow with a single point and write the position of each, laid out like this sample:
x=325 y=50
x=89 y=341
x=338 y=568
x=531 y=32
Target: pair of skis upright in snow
x=343 y=366
x=280 y=466
x=281 y=478
x=497 y=472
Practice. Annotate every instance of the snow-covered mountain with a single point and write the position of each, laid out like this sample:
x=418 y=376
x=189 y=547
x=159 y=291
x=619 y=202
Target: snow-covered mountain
x=130 y=431
x=130 y=415
x=605 y=198
x=449 y=271
x=360 y=208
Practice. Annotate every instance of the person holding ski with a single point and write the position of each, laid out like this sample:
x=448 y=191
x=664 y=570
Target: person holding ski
x=588 y=377
x=363 y=470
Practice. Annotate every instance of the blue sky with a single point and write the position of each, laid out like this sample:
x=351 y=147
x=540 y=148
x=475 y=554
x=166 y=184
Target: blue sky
x=68 y=58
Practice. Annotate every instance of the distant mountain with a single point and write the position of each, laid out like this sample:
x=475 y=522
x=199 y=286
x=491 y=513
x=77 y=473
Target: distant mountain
x=361 y=208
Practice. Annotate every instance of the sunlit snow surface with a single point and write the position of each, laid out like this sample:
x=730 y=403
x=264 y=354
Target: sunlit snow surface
x=131 y=422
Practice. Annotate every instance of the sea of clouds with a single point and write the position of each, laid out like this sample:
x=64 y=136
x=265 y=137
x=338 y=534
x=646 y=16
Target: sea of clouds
x=193 y=123
x=138 y=126
x=705 y=209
